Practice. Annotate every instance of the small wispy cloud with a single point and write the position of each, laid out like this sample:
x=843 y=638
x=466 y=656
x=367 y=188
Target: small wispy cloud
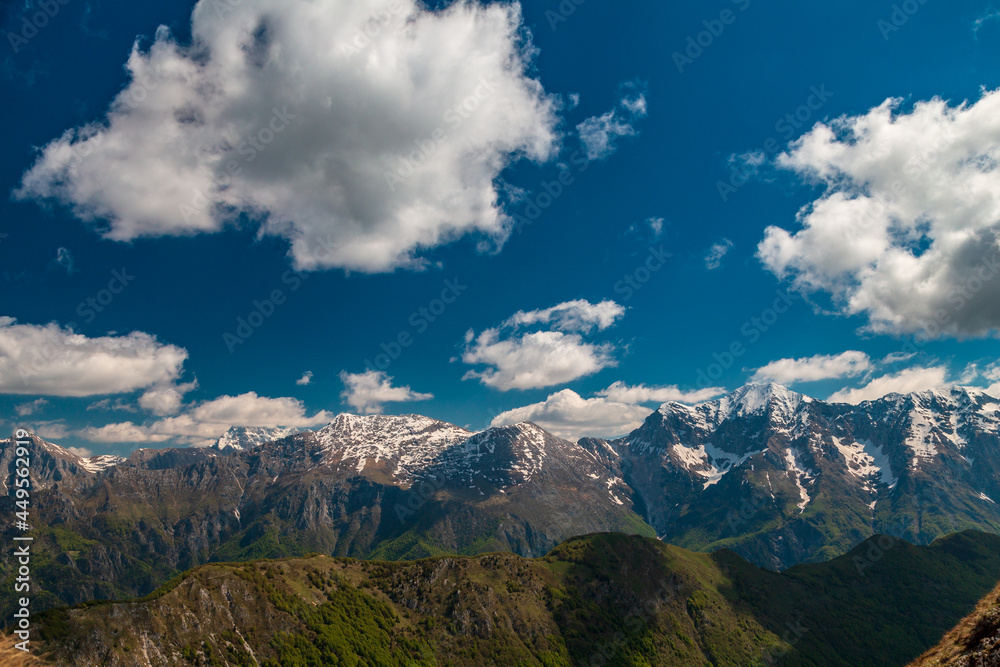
x=990 y=15
x=599 y=133
x=306 y=379
x=716 y=253
x=25 y=409
x=64 y=259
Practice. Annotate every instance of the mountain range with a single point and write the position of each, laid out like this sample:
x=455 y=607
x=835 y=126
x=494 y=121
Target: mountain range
x=775 y=476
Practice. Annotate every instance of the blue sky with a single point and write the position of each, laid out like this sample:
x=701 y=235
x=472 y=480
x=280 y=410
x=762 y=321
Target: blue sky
x=691 y=208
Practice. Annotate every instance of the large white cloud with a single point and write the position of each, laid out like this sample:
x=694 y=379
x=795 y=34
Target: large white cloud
x=569 y=415
x=914 y=379
x=906 y=230
x=619 y=392
x=48 y=360
x=361 y=151
x=368 y=392
x=203 y=424
x=811 y=369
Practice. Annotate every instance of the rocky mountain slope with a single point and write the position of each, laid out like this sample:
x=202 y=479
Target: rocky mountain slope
x=594 y=600
x=388 y=487
x=782 y=478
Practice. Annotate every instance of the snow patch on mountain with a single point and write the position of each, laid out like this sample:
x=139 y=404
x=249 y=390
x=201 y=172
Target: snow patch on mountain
x=865 y=459
x=240 y=438
x=96 y=464
x=800 y=474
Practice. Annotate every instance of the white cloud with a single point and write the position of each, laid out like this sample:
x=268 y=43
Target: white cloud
x=30 y=408
x=368 y=392
x=202 y=425
x=572 y=316
x=117 y=404
x=716 y=253
x=599 y=133
x=990 y=15
x=898 y=357
x=992 y=372
x=811 y=369
x=361 y=155
x=656 y=224
x=906 y=231
x=542 y=358
x=619 y=392
x=64 y=259
x=568 y=415
x=904 y=382
x=50 y=430
x=164 y=400
x=82 y=452
x=51 y=361
x=305 y=379
x=534 y=360
x=122 y=432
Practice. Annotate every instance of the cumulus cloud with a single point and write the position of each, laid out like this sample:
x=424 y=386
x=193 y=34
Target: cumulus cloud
x=82 y=452
x=163 y=400
x=906 y=230
x=599 y=133
x=619 y=392
x=124 y=432
x=30 y=408
x=306 y=379
x=368 y=392
x=811 y=369
x=360 y=152
x=203 y=424
x=906 y=381
x=569 y=415
x=572 y=316
x=716 y=253
x=536 y=359
x=48 y=360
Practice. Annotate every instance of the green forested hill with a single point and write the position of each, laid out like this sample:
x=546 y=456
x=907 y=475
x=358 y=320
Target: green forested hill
x=606 y=599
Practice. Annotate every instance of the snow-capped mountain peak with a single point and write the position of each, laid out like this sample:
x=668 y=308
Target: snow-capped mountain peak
x=248 y=437
x=404 y=443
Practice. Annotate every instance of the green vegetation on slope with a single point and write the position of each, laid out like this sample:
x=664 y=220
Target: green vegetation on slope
x=607 y=599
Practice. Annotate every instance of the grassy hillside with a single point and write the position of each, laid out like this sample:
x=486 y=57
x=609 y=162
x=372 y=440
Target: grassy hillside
x=975 y=642
x=606 y=599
